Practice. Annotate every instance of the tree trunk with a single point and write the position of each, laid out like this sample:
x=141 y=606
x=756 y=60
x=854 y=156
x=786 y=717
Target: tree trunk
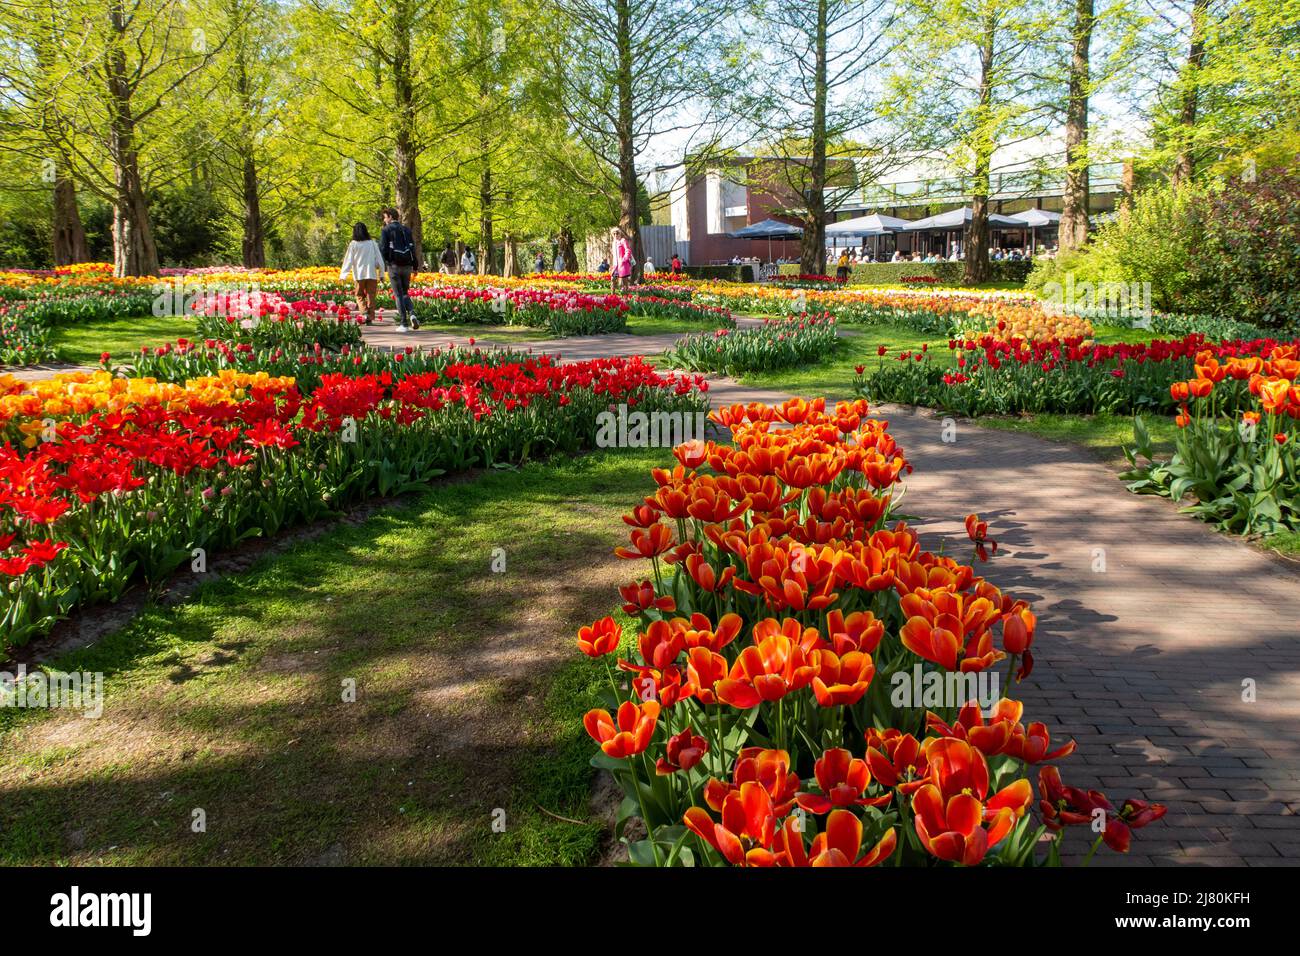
x=485 y=241
x=254 y=244
x=813 y=251
x=134 y=252
x=1127 y=187
x=564 y=242
x=511 y=251
x=1074 y=212
x=629 y=215
x=977 y=241
x=1185 y=162
x=254 y=239
x=407 y=185
x=69 y=234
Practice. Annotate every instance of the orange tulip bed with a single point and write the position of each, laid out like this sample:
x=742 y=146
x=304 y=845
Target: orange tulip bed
x=1237 y=450
x=807 y=685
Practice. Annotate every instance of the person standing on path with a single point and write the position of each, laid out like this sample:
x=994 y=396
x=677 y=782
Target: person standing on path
x=467 y=262
x=397 y=246
x=447 y=261
x=623 y=262
x=365 y=264
x=540 y=265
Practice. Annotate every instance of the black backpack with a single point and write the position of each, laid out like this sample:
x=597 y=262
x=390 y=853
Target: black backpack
x=401 y=248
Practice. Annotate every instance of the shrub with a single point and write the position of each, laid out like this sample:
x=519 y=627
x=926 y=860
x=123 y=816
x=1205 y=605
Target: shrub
x=1231 y=250
x=727 y=273
x=1252 y=249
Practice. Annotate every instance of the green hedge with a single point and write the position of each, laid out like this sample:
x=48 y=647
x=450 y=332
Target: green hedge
x=727 y=273
x=948 y=273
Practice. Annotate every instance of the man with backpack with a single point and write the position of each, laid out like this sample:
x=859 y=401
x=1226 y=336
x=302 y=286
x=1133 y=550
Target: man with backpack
x=397 y=246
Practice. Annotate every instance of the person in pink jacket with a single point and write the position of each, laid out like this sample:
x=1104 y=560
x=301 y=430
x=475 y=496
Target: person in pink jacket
x=623 y=262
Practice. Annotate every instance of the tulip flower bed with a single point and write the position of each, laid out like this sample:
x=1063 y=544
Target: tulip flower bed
x=22 y=343
x=938 y=312
x=559 y=312
x=106 y=481
x=1236 y=449
x=182 y=360
x=755 y=718
x=265 y=320
x=777 y=344
x=51 y=309
x=659 y=307
x=991 y=376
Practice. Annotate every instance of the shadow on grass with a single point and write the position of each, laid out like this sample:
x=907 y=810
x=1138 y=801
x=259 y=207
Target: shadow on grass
x=377 y=695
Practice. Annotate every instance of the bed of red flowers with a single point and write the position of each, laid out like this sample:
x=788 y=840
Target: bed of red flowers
x=105 y=482
x=991 y=375
x=560 y=311
x=754 y=717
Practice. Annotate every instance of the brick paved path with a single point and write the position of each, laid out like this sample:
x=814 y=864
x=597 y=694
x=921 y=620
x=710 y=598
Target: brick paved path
x=1142 y=663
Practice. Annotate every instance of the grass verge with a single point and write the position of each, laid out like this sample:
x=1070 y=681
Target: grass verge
x=468 y=695
x=82 y=343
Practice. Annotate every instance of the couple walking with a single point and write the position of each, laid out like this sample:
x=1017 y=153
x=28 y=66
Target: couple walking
x=367 y=260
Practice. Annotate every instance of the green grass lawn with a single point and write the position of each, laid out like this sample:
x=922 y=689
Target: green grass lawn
x=468 y=695
x=858 y=345
x=82 y=343
x=653 y=325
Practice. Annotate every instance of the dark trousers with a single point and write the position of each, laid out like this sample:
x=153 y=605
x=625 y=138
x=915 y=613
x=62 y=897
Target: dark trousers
x=400 y=279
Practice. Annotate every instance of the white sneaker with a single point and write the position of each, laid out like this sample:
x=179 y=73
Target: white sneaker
x=402 y=328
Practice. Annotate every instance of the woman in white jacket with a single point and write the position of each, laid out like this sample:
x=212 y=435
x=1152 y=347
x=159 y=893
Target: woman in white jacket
x=364 y=263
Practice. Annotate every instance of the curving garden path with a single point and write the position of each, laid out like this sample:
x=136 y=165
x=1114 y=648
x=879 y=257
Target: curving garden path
x=1170 y=653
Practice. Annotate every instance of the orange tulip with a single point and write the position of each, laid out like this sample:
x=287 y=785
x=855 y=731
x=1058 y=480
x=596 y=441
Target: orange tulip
x=631 y=735
x=765 y=672
x=640 y=597
x=744 y=837
x=1032 y=745
x=953 y=829
x=839 y=845
x=841 y=681
x=600 y=638
x=768 y=768
x=843 y=780
x=648 y=543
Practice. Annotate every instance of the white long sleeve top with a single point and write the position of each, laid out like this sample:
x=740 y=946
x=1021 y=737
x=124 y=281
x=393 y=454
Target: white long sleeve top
x=362 y=261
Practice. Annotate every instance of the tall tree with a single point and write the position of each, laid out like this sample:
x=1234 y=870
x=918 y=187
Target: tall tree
x=626 y=71
x=971 y=80
x=1184 y=161
x=811 y=103
x=1073 y=232
x=250 y=122
x=380 y=74
x=113 y=91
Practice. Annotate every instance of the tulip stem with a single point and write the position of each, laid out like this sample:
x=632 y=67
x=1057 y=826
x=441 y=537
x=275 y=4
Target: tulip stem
x=1095 y=844
x=645 y=817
